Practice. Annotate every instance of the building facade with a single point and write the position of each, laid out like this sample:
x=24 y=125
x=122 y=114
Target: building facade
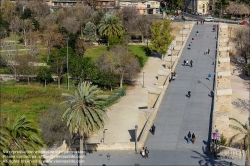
x=198 y=6
x=143 y=6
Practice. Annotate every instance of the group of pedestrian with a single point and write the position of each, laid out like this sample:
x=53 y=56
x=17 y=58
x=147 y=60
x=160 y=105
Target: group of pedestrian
x=190 y=138
x=201 y=21
x=207 y=51
x=144 y=152
x=186 y=63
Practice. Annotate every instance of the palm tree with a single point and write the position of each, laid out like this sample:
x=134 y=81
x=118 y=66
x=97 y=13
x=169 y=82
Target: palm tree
x=22 y=136
x=110 y=26
x=244 y=134
x=84 y=114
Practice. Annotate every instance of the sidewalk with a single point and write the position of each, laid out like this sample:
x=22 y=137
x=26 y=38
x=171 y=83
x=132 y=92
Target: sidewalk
x=123 y=115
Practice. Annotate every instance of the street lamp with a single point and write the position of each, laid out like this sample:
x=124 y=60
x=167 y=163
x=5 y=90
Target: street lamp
x=172 y=48
x=67 y=38
x=136 y=128
x=104 y=135
x=143 y=79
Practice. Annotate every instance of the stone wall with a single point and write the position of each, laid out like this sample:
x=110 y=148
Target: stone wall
x=223 y=91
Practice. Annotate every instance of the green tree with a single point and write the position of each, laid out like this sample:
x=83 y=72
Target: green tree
x=82 y=68
x=23 y=136
x=243 y=135
x=221 y=5
x=90 y=31
x=110 y=26
x=84 y=114
x=174 y=4
x=44 y=75
x=161 y=36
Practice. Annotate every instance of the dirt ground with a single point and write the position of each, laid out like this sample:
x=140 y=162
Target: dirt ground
x=241 y=95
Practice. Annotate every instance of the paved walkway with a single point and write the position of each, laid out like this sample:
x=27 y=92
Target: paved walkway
x=177 y=115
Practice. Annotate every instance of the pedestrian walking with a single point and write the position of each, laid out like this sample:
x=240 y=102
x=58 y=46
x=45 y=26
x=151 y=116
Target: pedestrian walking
x=197 y=33
x=189 y=94
x=153 y=129
x=193 y=138
x=191 y=63
x=208 y=50
x=201 y=21
x=197 y=22
x=187 y=62
x=143 y=152
x=189 y=137
x=184 y=62
x=146 y=152
x=209 y=76
x=189 y=47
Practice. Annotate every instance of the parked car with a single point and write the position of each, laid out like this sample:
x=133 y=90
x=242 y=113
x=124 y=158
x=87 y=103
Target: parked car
x=200 y=14
x=209 y=19
x=244 y=23
x=171 y=18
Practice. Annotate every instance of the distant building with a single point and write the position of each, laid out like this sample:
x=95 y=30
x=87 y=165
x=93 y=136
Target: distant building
x=143 y=6
x=198 y=6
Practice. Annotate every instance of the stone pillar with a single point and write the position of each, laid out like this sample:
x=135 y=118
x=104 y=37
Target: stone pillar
x=223 y=42
x=223 y=100
x=223 y=64
x=184 y=32
x=221 y=122
x=224 y=79
x=163 y=76
x=180 y=40
x=153 y=94
x=224 y=52
x=170 y=61
x=223 y=30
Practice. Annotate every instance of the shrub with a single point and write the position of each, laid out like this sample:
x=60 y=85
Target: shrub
x=54 y=130
x=247 y=69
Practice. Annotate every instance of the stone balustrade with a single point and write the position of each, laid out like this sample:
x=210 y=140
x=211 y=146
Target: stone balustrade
x=223 y=100
x=223 y=79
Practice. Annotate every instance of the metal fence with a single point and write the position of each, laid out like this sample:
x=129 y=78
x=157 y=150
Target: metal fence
x=114 y=97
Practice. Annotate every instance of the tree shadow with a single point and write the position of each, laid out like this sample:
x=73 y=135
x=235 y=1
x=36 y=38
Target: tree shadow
x=206 y=159
x=243 y=105
x=147 y=51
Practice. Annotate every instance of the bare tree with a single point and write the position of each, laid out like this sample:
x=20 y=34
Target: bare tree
x=52 y=38
x=81 y=46
x=243 y=44
x=83 y=14
x=71 y=24
x=25 y=66
x=125 y=64
x=144 y=24
x=9 y=54
x=129 y=16
x=33 y=38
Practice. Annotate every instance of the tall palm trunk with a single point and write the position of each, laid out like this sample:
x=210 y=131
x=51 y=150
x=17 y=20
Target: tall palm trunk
x=81 y=151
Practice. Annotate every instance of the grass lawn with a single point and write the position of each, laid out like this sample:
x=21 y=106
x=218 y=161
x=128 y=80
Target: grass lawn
x=33 y=100
x=141 y=51
x=29 y=100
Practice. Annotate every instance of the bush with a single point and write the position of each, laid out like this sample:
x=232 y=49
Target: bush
x=114 y=40
x=54 y=130
x=247 y=69
x=223 y=140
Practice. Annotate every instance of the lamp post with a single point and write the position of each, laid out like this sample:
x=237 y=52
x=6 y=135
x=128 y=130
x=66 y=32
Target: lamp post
x=104 y=131
x=143 y=79
x=172 y=48
x=136 y=149
x=67 y=38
